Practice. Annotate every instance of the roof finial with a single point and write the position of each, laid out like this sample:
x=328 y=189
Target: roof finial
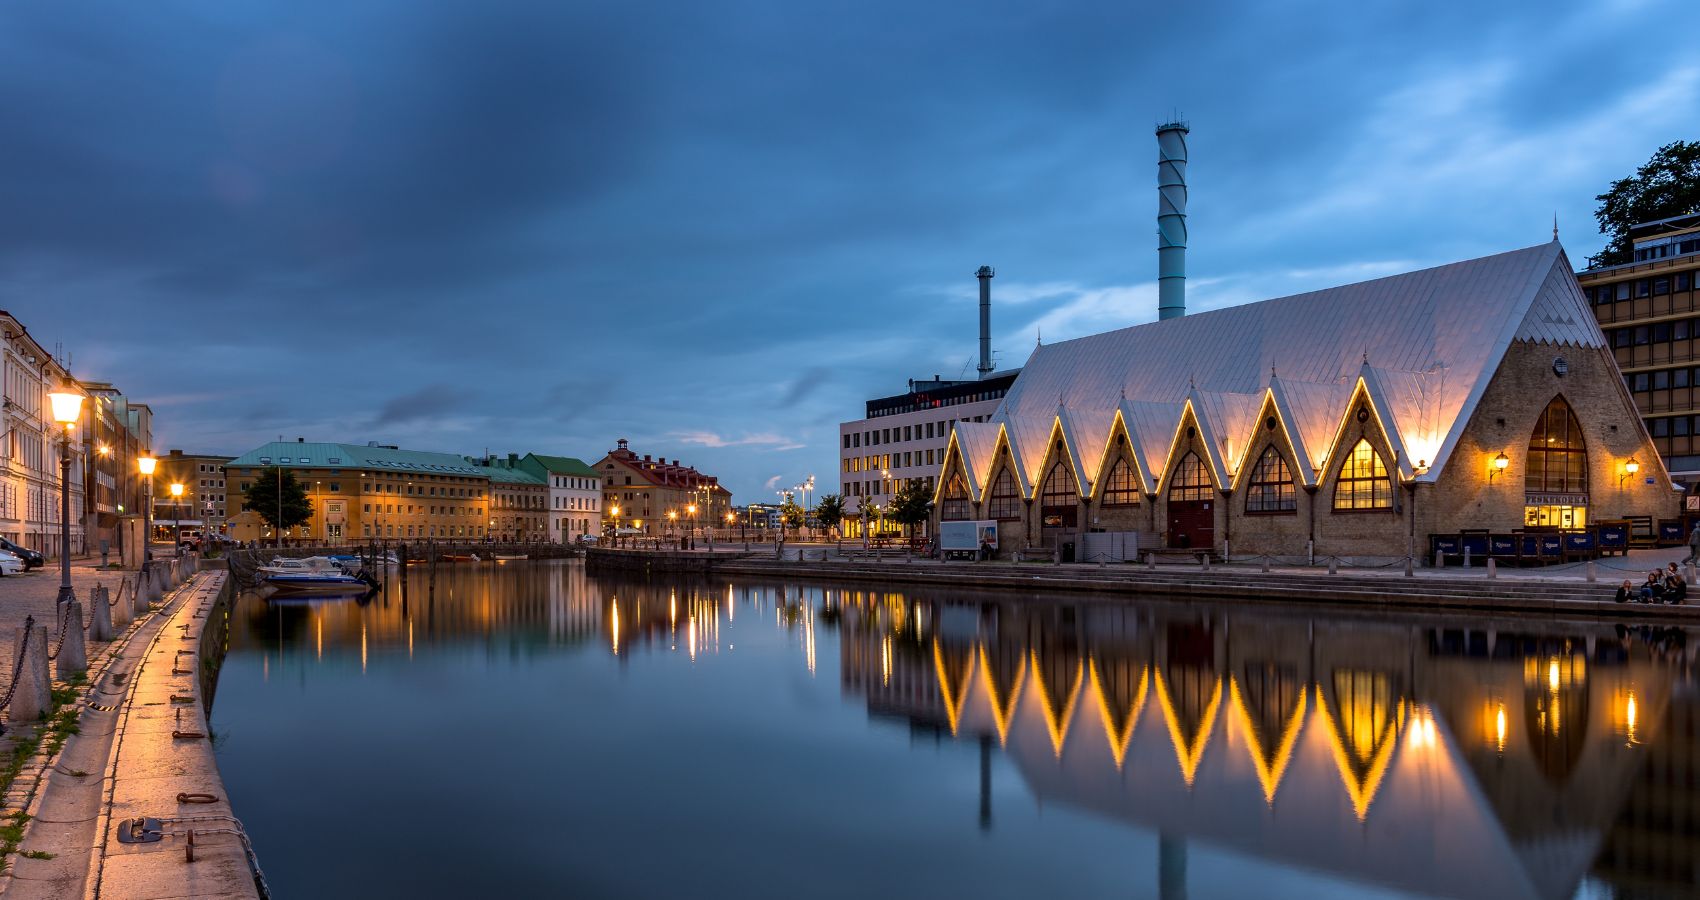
x=1271 y=373
x=1366 y=356
x=1038 y=336
x=1555 y=224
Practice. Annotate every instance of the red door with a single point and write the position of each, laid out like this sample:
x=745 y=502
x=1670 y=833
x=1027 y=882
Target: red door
x=1192 y=523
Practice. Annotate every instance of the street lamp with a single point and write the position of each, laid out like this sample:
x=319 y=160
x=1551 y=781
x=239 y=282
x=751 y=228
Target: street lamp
x=177 y=518
x=67 y=404
x=145 y=465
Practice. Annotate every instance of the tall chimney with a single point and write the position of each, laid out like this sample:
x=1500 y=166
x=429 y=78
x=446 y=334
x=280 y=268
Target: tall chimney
x=985 y=275
x=1171 y=220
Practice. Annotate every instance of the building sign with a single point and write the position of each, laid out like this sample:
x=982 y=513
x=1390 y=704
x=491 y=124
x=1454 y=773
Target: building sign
x=1555 y=499
x=1692 y=504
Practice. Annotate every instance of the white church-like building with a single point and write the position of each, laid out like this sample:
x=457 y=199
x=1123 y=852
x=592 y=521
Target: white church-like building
x=1471 y=402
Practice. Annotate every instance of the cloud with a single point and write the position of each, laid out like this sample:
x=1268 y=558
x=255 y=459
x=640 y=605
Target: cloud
x=710 y=439
x=772 y=484
x=429 y=402
x=803 y=386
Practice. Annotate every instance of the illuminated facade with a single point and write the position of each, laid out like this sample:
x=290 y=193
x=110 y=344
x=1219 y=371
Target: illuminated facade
x=30 y=443
x=203 y=508
x=656 y=496
x=1354 y=422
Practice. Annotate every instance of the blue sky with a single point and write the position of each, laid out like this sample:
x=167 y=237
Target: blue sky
x=717 y=229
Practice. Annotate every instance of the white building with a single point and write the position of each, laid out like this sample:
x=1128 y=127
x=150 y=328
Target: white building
x=30 y=447
x=904 y=437
x=575 y=495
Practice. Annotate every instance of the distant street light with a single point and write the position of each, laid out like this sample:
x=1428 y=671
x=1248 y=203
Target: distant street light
x=67 y=403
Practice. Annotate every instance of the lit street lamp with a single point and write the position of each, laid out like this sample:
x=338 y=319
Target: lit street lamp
x=146 y=464
x=67 y=404
x=177 y=518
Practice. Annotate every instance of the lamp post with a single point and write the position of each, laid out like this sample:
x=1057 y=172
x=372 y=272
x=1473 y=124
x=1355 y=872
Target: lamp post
x=691 y=509
x=176 y=518
x=67 y=404
x=145 y=465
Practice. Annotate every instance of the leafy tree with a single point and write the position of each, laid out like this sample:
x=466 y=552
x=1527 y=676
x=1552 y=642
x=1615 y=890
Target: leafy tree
x=829 y=510
x=790 y=514
x=264 y=494
x=911 y=505
x=1667 y=185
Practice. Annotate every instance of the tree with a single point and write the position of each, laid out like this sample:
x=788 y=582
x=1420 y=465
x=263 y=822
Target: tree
x=263 y=497
x=911 y=505
x=829 y=510
x=1667 y=185
x=790 y=514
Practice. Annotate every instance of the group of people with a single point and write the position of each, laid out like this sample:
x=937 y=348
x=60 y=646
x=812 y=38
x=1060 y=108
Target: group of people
x=1661 y=586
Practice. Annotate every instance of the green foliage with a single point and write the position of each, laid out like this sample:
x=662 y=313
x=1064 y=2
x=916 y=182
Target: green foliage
x=829 y=509
x=911 y=505
x=791 y=514
x=263 y=495
x=1667 y=185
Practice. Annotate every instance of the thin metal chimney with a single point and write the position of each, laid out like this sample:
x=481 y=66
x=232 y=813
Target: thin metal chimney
x=1171 y=220
x=985 y=275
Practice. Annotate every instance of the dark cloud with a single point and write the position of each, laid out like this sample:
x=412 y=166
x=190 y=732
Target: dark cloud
x=579 y=220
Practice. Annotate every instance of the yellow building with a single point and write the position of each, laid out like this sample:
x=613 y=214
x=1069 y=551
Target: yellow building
x=657 y=496
x=368 y=492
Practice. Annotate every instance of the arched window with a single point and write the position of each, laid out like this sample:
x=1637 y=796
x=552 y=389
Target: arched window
x=1120 y=487
x=1006 y=500
x=953 y=505
x=1558 y=457
x=1363 y=482
x=1271 y=487
x=1059 y=487
x=1190 y=481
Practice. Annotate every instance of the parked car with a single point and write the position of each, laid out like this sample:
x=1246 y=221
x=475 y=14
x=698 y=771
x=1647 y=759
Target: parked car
x=33 y=559
x=10 y=563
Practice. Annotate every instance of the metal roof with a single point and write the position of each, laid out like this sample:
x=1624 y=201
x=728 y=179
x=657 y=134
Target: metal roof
x=302 y=455
x=562 y=465
x=1423 y=345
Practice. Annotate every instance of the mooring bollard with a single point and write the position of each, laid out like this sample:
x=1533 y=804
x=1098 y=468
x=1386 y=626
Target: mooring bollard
x=1688 y=573
x=1266 y=563
x=1410 y=567
x=100 y=614
x=1466 y=557
x=1593 y=573
x=1151 y=561
x=1204 y=562
x=155 y=592
x=30 y=696
x=1493 y=568
x=1333 y=566
x=73 y=655
x=1439 y=559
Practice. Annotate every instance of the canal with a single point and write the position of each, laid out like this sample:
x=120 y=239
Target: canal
x=527 y=730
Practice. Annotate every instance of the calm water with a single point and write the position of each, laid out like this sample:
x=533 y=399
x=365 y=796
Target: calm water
x=529 y=731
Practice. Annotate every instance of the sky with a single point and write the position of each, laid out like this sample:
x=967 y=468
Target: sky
x=718 y=229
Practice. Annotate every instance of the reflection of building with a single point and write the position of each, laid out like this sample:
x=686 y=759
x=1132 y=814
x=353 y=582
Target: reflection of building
x=203 y=507
x=1356 y=420
x=658 y=496
x=1461 y=763
x=575 y=495
x=1647 y=308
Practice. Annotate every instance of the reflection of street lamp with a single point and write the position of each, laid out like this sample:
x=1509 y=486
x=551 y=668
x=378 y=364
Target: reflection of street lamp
x=67 y=404
x=177 y=517
x=146 y=464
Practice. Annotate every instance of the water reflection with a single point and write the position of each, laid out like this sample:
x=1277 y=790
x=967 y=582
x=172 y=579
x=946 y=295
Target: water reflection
x=1470 y=757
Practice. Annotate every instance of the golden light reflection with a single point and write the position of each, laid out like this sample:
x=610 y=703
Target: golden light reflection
x=1270 y=767
x=1360 y=790
x=1057 y=722
x=1499 y=727
x=953 y=693
x=1002 y=709
x=319 y=635
x=1626 y=715
x=614 y=623
x=691 y=636
x=1189 y=753
x=266 y=667
x=885 y=661
x=1119 y=737
x=809 y=635
x=409 y=638
x=362 y=647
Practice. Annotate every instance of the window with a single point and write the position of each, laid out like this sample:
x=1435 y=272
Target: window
x=1661 y=427
x=1271 y=487
x=1640 y=288
x=1641 y=335
x=1006 y=500
x=1558 y=456
x=1661 y=333
x=1661 y=380
x=1641 y=382
x=1120 y=487
x=1623 y=290
x=1189 y=481
x=1059 y=487
x=1363 y=481
x=953 y=505
x=1661 y=286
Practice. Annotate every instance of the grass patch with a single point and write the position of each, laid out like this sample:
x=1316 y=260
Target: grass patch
x=58 y=726
x=36 y=854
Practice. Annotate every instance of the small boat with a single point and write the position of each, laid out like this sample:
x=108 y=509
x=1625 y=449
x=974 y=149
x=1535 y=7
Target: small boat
x=460 y=557
x=315 y=581
x=502 y=557
x=284 y=565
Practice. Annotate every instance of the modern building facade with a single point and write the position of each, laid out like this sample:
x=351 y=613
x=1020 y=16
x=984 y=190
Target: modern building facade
x=117 y=431
x=903 y=438
x=1649 y=310
x=202 y=510
x=656 y=496
x=1355 y=422
x=575 y=495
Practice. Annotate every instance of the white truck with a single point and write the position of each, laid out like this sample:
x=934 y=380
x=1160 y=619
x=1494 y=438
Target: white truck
x=968 y=538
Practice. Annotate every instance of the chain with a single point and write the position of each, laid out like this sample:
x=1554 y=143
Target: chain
x=64 y=626
x=18 y=667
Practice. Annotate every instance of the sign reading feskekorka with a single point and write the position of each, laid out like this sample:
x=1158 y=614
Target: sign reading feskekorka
x=1556 y=499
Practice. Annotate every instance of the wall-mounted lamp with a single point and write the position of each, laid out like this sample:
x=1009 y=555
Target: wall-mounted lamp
x=1500 y=464
x=1629 y=469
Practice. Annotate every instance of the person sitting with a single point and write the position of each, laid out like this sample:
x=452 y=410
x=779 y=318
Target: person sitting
x=1653 y=589
x=1626 y=592
x=1676 y=590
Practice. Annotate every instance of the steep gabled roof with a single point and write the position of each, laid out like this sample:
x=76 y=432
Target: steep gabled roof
x=1424 y=344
